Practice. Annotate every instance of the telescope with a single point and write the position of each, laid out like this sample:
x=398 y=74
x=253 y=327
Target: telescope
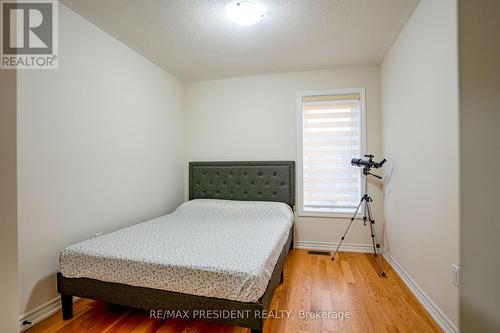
x=368 y=164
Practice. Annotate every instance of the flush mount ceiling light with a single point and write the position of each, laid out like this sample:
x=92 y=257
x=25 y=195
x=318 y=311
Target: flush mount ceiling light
x=245 y=12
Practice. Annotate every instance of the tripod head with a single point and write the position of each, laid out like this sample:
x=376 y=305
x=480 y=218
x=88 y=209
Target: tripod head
x=368 y=165
x=366 y=172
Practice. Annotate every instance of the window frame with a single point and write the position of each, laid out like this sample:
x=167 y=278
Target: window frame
x=300 y=150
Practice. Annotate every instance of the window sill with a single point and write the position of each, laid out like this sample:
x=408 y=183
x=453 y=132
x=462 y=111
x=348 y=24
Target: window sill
x=330 y=215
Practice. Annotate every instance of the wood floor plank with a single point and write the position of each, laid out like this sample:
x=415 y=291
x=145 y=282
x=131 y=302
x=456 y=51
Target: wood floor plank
x=313 y=284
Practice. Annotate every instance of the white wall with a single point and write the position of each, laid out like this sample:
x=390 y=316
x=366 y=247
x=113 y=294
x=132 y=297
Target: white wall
x=9 y=291
x=419 y=78
x=480 y=157
x=255 y=118
x=100 y=147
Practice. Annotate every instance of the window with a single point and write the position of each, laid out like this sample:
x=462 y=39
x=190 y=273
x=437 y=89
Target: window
x=331 y=134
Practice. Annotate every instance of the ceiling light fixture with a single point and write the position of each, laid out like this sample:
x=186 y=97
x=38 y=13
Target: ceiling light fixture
x=245 y=12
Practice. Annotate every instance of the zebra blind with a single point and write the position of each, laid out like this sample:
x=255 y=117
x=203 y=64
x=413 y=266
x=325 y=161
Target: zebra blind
x=331 y=137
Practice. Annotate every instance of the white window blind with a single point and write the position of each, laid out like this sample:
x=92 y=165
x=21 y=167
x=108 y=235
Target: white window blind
x=331 y=137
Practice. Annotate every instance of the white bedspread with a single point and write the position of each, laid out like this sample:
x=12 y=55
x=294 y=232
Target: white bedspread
x=214 y=248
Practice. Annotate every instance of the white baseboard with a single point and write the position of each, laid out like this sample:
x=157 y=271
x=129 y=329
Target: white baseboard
x=330 y=246
x=40 y=313
x=441 y=319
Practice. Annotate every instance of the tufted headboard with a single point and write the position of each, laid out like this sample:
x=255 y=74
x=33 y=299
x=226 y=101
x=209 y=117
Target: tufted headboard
x=249 y=181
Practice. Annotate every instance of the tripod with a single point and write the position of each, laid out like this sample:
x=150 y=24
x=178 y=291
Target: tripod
x=367 y=218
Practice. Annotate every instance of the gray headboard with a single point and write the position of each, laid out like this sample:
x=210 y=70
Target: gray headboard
x=250 y=181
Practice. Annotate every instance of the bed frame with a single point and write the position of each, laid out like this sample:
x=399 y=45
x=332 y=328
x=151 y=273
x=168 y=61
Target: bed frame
x=249 y=181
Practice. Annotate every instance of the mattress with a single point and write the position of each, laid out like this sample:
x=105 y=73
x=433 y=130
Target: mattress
x=213 y=248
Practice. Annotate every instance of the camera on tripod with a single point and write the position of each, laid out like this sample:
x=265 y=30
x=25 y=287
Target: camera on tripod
x=368 y=165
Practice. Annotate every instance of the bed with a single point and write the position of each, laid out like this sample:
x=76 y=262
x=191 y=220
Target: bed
x=221 y=252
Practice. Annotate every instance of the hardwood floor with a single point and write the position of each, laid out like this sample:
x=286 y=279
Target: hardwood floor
x=348 y=286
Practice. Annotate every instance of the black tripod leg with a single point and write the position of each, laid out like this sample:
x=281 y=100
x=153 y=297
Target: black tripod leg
x=347 y=230
x=373 y=239
x=367 y=218
x=376 y=245
x=371 y=222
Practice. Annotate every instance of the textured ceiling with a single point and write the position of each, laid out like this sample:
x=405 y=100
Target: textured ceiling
x=193 y=40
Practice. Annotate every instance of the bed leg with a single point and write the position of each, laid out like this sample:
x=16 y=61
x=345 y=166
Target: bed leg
x=67 y=306
x=282 y=277
x=253 y=330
